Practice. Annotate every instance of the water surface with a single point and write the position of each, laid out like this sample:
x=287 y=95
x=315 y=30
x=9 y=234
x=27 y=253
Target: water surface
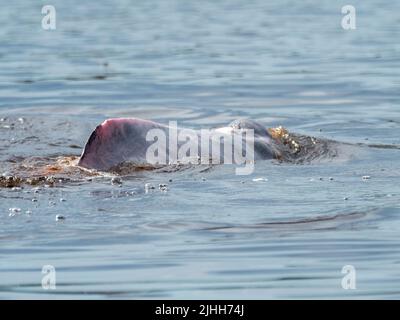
x=212 y=234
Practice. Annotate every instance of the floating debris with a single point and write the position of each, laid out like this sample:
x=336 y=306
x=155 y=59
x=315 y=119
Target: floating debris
x=116 y=181
x=366 y=177
x=282 y=134
x=279 y=132
x=163 y=187
x=10 y=181
x=260 y=179
x=50 y=181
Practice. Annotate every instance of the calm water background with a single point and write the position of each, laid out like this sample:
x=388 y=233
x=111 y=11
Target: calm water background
x=204 y=63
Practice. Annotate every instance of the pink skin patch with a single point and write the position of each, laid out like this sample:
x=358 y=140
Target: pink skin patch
x=115 y=141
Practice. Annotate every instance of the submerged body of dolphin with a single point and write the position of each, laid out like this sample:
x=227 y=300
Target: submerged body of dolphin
x=129 y=140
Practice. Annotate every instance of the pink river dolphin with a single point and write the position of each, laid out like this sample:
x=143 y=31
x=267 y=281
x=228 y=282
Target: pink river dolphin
x=132 y=140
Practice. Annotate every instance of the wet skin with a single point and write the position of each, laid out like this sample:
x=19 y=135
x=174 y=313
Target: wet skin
x=123 y=140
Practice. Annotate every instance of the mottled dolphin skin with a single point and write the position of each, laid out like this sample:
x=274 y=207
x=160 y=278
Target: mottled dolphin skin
x=123 y=140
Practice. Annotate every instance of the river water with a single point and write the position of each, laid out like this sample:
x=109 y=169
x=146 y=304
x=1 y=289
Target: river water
x=285 y=231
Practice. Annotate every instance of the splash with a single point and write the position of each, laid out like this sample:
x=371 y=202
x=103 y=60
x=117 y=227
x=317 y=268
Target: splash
x=45 y=171
x=297 y=148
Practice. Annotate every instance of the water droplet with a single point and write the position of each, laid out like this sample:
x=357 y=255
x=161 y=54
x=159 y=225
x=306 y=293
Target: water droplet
x=116 y=181
x=14 y=211
x=148 y=187
x=260 y=179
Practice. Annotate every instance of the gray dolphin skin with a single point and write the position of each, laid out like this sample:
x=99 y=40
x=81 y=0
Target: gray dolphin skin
x=126 y=140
